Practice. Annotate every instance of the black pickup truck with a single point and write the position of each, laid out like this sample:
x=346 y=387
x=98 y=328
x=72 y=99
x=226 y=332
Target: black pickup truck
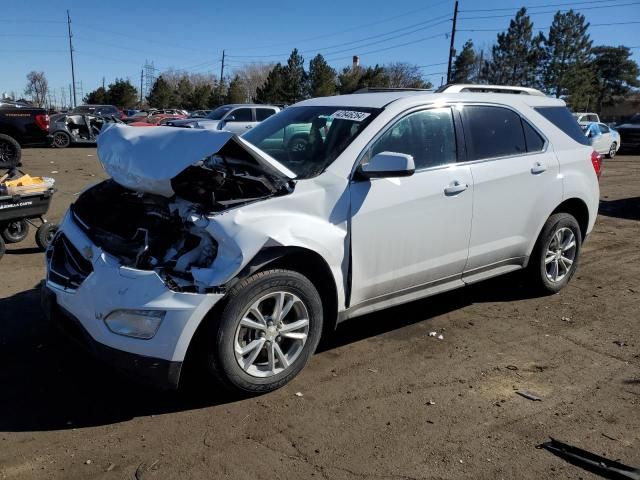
x=20 y=124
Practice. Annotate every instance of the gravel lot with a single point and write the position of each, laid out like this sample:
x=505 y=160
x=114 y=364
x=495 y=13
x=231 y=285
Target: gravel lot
x=382 y=400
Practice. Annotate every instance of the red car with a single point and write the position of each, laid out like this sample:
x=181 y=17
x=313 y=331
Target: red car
x=156 y=120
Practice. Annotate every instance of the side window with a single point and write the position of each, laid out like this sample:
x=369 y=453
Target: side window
x=429 y=136
x=492 y=132
x=241 y=115
x=603 y=128
x=263 y=113
x=535 y=143
x=592 y=118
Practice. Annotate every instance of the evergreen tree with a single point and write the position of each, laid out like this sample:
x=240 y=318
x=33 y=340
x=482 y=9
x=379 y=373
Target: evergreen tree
x=122 y=94
x=516 y=55
x=352 y=79
x=200 y=97
x=465 y=65
x=616 y=73
x=236 y=92
x=97 y=97
x=272 y=91
x=295 y=87
x=566 y=70
x=183 y=92
x=322 y=78
x=161 y=94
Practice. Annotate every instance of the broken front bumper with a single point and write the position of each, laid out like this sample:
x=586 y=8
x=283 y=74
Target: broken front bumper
x=85 y=284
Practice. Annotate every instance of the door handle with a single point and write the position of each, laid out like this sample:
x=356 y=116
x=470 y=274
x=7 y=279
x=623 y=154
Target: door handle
x=248 y=127
x=455 y=188
x=538 y=167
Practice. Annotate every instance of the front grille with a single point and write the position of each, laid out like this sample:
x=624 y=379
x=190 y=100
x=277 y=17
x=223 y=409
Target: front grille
x=67 y=267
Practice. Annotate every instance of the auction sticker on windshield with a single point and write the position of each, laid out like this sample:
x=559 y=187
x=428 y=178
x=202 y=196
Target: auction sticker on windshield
x=350 y=115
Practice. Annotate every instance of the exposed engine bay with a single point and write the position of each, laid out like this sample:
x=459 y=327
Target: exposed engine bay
x=168 y=235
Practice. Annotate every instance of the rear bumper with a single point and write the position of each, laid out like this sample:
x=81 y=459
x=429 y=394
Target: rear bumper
x=156 y=372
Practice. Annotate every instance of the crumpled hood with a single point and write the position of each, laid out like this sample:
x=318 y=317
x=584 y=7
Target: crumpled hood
x=146 y=159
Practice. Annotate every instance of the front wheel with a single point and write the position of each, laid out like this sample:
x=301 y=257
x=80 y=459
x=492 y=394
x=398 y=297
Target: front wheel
x=45 y=234
x=613 y=149
x=555 y=256
x=267 y=330
x=10 y=152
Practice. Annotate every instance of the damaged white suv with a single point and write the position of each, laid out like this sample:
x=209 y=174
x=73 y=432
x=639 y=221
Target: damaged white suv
x=243 y=250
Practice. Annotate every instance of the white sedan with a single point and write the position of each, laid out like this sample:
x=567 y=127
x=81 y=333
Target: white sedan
x=605 y=140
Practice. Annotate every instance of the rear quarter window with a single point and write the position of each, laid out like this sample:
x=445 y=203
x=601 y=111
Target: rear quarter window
x=492 y=132
x=562 y=119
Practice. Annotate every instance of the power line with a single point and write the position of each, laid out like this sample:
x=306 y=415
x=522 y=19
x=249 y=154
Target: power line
x=550 y=11
x=546 y=28
x=566 y=4
x=403 y=29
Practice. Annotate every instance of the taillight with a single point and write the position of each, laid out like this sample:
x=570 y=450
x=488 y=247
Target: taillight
x=596 y=160
x=42 y=120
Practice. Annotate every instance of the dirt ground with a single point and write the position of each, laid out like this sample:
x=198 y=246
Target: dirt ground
x=382 y=400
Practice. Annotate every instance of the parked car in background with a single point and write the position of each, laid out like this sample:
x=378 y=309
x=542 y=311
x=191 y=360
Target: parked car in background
x=20 y=124
x=630 y=134
x=585 y=117
x=98 y=110
x=199 y=113
x=237 y=118
x=67 y=129
x=241 y=253
x=156 y=120
x=604 y=139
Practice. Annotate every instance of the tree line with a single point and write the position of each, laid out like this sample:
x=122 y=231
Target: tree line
x=563 y=63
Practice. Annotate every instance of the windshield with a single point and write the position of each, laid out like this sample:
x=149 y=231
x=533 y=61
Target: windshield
x=307 y=140
x=218 y=113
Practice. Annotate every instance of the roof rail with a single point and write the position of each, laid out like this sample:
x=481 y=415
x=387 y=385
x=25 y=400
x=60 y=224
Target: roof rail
x=468 y=87
x=390 y=89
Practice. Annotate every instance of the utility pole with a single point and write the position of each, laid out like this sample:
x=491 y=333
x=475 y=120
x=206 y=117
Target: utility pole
x=70 y=97
x=103 y=83
x=73 y=73
x=453 y=38
x=141 y=78
x=221 y=72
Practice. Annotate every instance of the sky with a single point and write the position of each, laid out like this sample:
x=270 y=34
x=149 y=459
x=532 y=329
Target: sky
x=115 y=38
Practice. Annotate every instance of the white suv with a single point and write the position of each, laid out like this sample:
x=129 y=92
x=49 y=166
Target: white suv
x=241 y=251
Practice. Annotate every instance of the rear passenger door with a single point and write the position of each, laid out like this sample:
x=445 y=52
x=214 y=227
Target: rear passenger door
x=239 y=120
x=516 y=185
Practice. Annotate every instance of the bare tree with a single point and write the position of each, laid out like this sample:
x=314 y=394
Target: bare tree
x=252 y=76
x=37 y=88
x=405 y=75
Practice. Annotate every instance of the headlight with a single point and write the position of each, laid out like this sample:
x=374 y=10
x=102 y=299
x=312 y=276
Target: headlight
x=135 y=323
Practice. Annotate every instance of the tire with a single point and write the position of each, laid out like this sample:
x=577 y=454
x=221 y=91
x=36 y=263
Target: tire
x=45 y=234
x=612 y=150
x=235 y=370
x=10 y=152
x=558 y=244
x=60 y=140
x=3 y=247
x=15 y=231
x=298 y=144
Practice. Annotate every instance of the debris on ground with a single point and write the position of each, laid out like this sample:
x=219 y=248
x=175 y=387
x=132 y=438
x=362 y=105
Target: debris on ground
x=512 y=367
x=590 y=461
x=373 y=370
x=440 y=337
x=88 y=462
x=430 y=402
x=433 y=334
x=111 y=467
x=620 y=343
x=566 y=319
x=529 y=395
x=299 y=394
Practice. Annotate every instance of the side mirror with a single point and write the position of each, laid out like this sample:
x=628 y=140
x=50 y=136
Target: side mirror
x=388 y=164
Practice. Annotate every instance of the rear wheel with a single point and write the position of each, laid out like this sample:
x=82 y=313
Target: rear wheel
x=15 y=231
x=612 y=150
x=268 y=329
x=61 y=140
x=45 y=234
x=10 y=152
x=555 y=256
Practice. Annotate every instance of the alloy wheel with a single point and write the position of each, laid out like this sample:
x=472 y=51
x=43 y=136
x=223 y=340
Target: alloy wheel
x=560 y=255
x=271 y=334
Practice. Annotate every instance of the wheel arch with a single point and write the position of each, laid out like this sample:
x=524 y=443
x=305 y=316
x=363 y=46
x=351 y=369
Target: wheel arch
x=578 y=209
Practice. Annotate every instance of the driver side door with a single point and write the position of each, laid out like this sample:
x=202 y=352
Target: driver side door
x=411 y=234
x=239 y=120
